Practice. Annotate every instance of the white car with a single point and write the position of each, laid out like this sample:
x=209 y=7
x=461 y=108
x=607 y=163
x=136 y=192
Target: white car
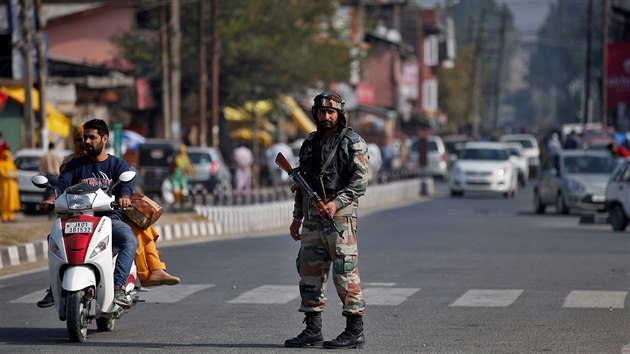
x=618 y=197
x=484 y=167
x=27 y=163
x=530 y=149
x=375 y=162
x=437 y=157
x=518 y=158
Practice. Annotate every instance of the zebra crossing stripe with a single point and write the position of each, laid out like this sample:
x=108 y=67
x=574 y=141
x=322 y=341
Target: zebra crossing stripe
x=30 y=298
x=268 y=294
x=157 y=295
x=171 y=294
x=488 y=298
x=595 y=299
x=387 y=296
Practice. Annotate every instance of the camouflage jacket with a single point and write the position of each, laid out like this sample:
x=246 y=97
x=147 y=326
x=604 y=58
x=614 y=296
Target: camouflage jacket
x=348 y=168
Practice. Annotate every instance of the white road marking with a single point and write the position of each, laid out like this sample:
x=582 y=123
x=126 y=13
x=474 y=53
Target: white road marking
x=30 y=298
x=488 y=298
x=171 y=294
x=387 y=296
x=158 y=295
x=595 y=299
x=378 y=284
x=268 y=294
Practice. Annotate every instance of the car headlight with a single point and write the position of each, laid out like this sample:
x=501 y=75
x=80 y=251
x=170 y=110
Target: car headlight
x=457 y=171
x=500 y=172
x=575 y=186
x=79 y=201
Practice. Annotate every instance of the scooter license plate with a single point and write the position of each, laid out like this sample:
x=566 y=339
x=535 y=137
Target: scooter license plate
x=78 y=227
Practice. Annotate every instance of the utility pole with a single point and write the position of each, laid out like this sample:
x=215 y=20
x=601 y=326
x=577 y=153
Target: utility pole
x=166 y=74
x=497 y=90
x=176 y=74
x=203 y=77
x=214 y=13
x=587 y=81
x=604 y=87
x=41 y=74
x=27 y=51
x=473 y=100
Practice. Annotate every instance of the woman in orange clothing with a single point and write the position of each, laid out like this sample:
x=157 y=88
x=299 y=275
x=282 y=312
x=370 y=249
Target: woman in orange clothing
x=151 y=270
x=9 y=195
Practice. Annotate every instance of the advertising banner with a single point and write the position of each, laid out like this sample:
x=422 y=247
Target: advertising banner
x=618 y=74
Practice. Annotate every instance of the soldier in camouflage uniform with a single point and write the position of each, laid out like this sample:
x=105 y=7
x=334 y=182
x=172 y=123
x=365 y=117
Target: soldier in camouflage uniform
x=334 y=162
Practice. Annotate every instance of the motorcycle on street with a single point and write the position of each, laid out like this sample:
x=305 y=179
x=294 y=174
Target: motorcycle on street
x=81 y=259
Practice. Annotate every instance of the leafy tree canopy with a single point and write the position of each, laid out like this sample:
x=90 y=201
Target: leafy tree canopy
x=266 y=47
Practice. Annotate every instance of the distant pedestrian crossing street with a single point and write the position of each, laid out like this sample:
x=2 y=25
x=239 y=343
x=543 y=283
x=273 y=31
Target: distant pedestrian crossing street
x=380 y=296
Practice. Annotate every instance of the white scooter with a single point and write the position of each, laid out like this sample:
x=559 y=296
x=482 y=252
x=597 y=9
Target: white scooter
x=81 y=261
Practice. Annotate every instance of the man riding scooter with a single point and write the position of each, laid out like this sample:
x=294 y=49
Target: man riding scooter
x=101 y=169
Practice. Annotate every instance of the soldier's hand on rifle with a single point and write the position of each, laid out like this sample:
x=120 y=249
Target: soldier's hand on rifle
x=331 y=208
x=295 y=229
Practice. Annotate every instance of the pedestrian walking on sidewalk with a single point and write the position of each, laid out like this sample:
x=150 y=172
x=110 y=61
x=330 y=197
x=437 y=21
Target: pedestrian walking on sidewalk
x=9 y=194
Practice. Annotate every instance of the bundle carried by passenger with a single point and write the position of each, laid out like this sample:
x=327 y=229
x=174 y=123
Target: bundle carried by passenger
x=143 y=211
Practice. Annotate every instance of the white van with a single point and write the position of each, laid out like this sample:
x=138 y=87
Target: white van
x=531 y=150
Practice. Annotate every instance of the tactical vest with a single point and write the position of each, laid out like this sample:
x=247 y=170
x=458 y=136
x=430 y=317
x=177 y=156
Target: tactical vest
x=314 y=153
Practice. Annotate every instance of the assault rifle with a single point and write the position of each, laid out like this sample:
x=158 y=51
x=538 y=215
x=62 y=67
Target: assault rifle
x=282 y=162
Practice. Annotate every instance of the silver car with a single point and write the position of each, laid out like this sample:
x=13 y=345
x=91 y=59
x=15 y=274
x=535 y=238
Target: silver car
x=27 y=163
x=573 y=179
x=211 y=171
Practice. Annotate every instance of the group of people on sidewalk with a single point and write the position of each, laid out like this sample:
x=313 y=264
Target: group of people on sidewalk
x=334 y=162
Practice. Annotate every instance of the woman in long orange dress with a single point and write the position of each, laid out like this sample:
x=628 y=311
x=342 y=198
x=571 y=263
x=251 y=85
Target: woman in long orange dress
x=151 y=270
x=9 y=195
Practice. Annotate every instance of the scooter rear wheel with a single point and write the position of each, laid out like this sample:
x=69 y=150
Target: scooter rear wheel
x=76 y=316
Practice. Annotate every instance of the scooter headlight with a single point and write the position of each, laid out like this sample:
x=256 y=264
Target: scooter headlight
x=102 y=246
x=52 y=246
x=79 y=201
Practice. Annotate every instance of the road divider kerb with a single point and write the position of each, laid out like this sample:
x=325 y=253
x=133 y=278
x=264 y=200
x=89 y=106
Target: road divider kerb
x=232 y=221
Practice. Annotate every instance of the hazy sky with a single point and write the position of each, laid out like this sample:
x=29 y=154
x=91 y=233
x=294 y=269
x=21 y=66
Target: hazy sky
x=528 y=14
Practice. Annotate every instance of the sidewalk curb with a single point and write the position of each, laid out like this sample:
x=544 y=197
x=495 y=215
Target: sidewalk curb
x=231 y=221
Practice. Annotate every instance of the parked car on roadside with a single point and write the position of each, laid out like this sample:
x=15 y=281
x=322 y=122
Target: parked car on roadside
x=375 y=162
x=211 y=171
x=484 y=167
x=618 y=197
x=437 y=161
x=27 y=163
x=573 y=179
x=531 y=149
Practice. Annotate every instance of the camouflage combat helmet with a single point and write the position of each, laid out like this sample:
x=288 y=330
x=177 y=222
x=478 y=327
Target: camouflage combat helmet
x=332 y=100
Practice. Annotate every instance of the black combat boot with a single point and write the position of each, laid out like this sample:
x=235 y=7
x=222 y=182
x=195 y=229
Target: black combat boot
x=351 y=338
x=311 y=335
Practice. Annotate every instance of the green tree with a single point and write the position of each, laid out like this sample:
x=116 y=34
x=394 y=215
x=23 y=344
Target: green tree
x=266 y=48
x=478 y=23
x=557 y=66
x=455 y=88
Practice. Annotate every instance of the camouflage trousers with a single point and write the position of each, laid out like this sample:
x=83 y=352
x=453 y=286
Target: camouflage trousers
x=322 y=247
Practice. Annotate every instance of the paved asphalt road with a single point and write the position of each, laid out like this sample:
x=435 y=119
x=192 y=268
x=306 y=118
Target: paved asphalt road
x=478 y=274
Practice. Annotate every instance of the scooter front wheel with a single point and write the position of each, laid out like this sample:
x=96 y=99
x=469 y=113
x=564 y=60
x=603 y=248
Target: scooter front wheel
x=76 y=316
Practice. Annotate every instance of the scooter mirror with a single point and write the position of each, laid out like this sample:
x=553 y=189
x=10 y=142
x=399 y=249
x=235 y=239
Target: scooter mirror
x=39 y=181
x=127 y=176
